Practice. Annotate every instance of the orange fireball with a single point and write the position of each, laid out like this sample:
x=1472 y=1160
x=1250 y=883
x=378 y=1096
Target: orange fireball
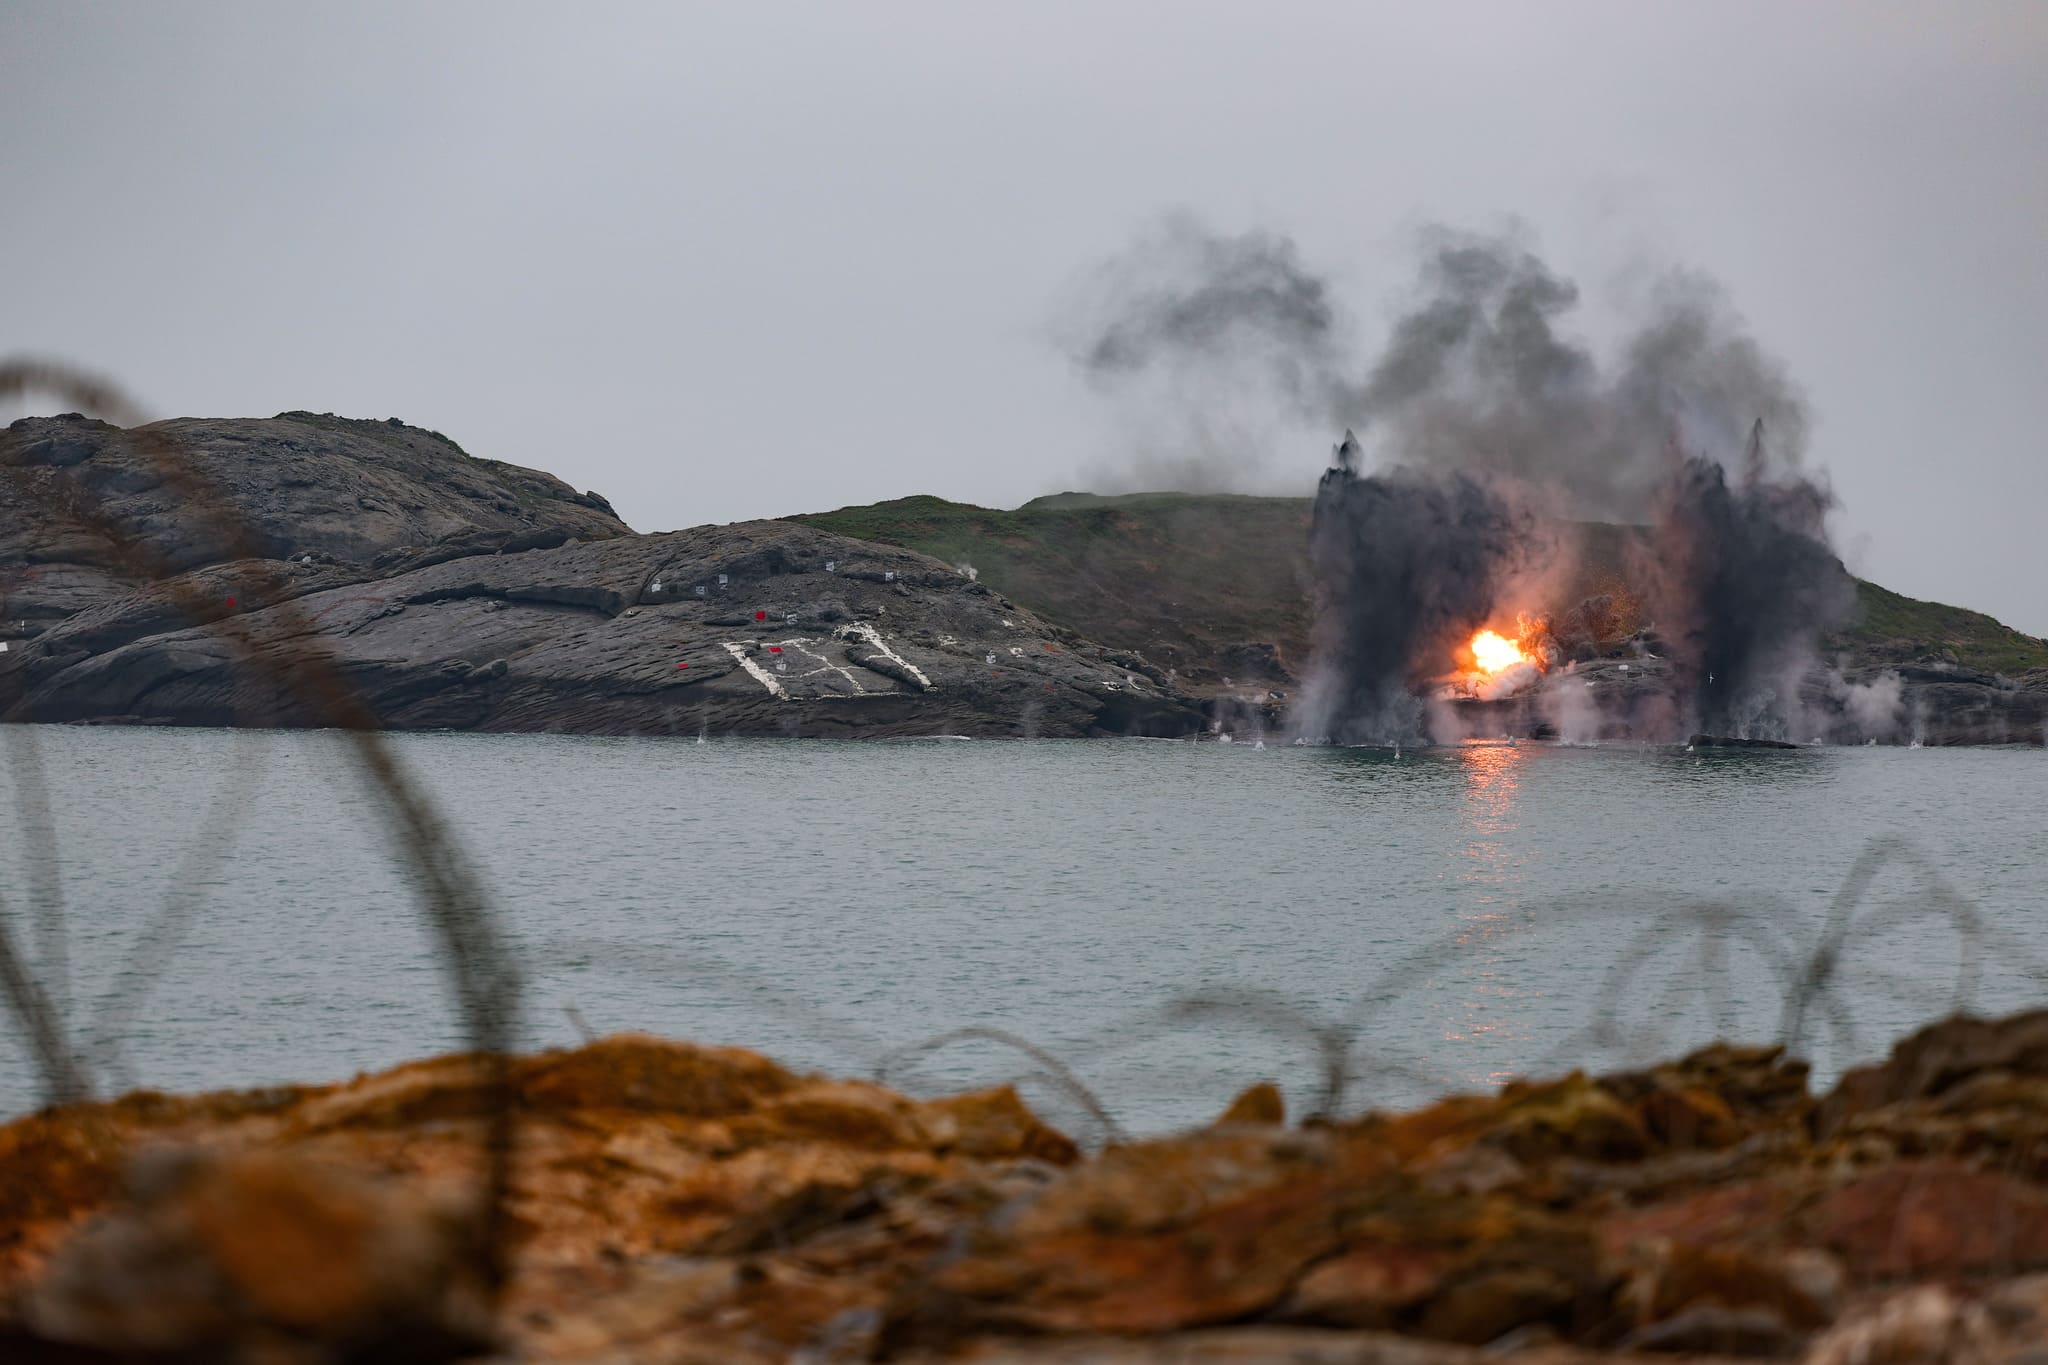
x=1492 y=652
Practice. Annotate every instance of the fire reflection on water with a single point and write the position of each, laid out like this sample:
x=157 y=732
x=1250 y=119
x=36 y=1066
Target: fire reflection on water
x=1490 y=871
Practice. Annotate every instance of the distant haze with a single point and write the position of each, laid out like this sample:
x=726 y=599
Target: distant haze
x=727 y=262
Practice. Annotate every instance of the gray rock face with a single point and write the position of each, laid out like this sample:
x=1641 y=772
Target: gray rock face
x=359 y=497
x=761 y=628
x=464 y=593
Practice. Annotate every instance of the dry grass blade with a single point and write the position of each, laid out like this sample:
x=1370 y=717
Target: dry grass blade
x=38 y=1012
x=160 y=938
x=292 y=660
x=1821 y=976
x=63 y=1078
x=45 y=877
x=1054 y=1069
x=1330 y=1042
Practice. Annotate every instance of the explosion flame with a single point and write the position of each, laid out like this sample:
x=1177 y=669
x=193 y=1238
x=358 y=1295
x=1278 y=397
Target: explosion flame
x=1492 y=652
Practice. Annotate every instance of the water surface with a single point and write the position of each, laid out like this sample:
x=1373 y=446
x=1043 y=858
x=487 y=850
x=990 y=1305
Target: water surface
x=1172 y=920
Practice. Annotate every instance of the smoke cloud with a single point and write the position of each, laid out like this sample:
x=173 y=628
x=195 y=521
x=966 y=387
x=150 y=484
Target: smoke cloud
x=1216 y=347
x=1405 y=565
x=1185 y=296
x=1483 y=420
x=1744 y=586
x=1479 y=377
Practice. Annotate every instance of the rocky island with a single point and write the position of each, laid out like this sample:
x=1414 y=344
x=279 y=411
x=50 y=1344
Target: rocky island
x=464 y=593
x=467 y=594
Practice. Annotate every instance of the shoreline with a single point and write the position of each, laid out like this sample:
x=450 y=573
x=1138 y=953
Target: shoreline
x=431 y=590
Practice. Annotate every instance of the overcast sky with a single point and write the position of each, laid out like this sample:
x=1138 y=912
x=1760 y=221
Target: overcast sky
x=730 y=261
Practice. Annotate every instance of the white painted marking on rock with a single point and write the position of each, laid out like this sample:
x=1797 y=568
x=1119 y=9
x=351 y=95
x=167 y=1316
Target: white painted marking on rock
x=861 y=630
x=759 y=674
x=802 y=645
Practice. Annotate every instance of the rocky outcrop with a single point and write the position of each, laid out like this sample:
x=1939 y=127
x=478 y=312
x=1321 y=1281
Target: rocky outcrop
x=465 y=593
x=360 y=496
x=457 y=593
x=681 y=1203
x=1215 y=588
x=760 y=628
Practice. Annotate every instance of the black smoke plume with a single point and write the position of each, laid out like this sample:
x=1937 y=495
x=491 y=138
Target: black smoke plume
x=1744 y=585
x=1481 y=411
x=1185 y=298
x=1406 y=565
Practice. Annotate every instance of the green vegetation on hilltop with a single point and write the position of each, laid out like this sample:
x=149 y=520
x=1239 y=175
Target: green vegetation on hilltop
x=1894 y=626
x=1198 y=582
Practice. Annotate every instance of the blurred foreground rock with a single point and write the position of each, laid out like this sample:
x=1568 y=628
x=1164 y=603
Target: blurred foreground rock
x=674 y=1203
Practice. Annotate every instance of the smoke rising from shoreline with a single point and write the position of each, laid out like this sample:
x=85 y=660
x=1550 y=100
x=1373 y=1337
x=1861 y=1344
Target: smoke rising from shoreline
x=1405 y=566
x=1744 y=583
x=1483 y=420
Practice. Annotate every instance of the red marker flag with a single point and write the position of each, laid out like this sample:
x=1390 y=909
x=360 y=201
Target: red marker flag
x=760 y=616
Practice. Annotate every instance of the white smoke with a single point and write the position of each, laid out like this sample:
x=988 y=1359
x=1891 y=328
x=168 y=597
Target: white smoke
x=1877 y=708
x=1568 y=705
x=1507 y=682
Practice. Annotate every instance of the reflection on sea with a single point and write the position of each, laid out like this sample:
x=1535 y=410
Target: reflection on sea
x=1490 y=868
x=1508 y=838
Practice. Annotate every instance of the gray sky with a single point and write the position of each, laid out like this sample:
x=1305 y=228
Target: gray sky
x=730 y=261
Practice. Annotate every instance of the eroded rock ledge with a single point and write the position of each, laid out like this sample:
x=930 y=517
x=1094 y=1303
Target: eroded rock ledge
x=680 y=1203
x=459 y=593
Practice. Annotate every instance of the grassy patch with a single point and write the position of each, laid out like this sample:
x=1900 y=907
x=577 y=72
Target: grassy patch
x=1184 y=577
x=1896 y=626
x=1181 y=578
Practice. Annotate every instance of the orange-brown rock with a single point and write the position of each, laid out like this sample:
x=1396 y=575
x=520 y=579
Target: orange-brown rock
x=1934 y=1218
x=216 y=1252
x=1159 y=1235
x=629 y=1149
x=1455 y=1269
x=1723 y=1297
x=672 y=1203
x=1260 y=1103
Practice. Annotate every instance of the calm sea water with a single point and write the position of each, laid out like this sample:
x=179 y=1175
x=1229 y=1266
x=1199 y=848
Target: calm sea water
x=1171 y=921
